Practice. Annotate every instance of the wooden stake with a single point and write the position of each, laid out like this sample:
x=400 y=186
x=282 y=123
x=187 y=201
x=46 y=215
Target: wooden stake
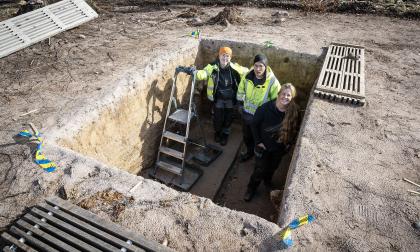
x=411 y=182
x=27 y=113
x=135 y=187
x=415 y=192
x=34 y=130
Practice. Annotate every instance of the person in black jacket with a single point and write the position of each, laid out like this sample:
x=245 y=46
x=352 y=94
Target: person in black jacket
x=223 y=77
x=274 y=128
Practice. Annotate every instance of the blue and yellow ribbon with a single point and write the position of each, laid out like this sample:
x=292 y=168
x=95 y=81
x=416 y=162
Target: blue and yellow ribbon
x=286 y=234
x=40 y=159
x=196 y=34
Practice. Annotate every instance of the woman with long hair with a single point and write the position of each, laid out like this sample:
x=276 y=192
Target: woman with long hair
x=274 y=129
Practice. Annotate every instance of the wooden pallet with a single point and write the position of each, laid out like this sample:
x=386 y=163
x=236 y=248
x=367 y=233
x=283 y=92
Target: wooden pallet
x=27 y=29
x=57 y=225
x=342 y=77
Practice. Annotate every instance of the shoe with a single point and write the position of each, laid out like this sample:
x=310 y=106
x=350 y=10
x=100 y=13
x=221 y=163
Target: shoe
x=217 y=137
x=249 y=194
x=224 y=139
x=245 y=156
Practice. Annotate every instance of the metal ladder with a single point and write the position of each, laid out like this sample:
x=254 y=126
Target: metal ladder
x=180 y=117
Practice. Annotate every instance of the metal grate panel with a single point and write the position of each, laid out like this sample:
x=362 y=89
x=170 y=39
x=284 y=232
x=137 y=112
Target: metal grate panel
x=342 y=77
x=27 y=29
x=58 y=225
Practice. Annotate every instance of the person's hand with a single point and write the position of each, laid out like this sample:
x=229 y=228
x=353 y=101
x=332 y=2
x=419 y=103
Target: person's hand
x=240 y=107
x=259 y=150
x=190 y=70
x=261 y=145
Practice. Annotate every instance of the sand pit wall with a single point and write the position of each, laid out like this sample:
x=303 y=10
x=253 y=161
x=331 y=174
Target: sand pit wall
x=126 y=132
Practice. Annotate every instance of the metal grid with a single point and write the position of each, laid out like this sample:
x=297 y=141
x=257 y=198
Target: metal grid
x=342 y=77
x=27 y=29
x=58 y=225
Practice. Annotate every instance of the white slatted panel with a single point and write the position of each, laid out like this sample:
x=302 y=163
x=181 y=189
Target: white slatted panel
x=342 y=76
x=24 y=30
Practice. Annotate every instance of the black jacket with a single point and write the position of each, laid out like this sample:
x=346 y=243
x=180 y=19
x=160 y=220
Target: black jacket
x=265 y=125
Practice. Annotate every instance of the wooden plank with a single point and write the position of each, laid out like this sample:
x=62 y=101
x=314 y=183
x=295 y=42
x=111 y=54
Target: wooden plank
x=76 y=231
x=341 y=75
x=111 y=228
x=324 y=67
x=90 y=229
x=16 y=242
x=62 y=235
x=346 y=45
x=72 y=12
x=54 y=18
x=337 y=92
x=362 y=72
x=33 y=241
x=63 y=246
x=7 y=249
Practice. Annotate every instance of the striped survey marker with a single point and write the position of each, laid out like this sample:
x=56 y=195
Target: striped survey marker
x=40 y=158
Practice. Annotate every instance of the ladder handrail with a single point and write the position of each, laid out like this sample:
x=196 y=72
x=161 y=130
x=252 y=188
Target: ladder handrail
x=168 y=111
x=189 y=117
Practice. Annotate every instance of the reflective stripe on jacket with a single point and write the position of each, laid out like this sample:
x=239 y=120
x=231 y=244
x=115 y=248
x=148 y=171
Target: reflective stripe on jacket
x=254 y=96
x=208 y=74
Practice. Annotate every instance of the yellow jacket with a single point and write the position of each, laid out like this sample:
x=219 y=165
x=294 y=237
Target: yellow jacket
x=210 y=73
x=254 y=96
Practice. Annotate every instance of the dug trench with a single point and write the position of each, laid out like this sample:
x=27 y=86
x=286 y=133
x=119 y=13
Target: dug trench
x=126 y=135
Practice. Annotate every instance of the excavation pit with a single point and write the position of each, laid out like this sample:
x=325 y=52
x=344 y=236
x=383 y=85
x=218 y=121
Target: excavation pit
x=127 y=131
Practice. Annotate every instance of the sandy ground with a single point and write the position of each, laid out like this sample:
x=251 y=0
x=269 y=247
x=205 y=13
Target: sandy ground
x=347 y=168
x=262 y=204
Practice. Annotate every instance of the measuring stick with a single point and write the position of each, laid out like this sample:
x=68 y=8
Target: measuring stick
x=411 y=182
x=415 y=192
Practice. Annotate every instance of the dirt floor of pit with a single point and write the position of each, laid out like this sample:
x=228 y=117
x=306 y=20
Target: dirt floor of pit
x=266 y=201
x=352 y=189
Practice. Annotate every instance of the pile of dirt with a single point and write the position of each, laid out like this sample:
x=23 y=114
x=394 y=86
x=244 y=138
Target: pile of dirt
x=109 y=201
x=192 y=12
x=355 y=7
x=229 y=15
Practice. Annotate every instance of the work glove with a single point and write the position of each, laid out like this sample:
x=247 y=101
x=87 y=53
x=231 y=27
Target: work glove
x=188 y=70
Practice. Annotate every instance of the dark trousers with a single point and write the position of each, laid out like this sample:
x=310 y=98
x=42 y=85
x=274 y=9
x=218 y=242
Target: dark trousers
x=247 y=132
x=265 y=167
x=222 y=120
x=223 y=116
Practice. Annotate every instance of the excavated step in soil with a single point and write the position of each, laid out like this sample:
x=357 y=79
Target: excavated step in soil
x=126 y=134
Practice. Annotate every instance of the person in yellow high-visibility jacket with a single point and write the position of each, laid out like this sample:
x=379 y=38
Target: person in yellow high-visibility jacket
x=257 y=87
x=223 y=78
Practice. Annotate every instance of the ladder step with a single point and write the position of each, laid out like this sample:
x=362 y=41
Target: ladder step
x=171 y=152
x=174 y=136
x=169 y=167
x=180 y=115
